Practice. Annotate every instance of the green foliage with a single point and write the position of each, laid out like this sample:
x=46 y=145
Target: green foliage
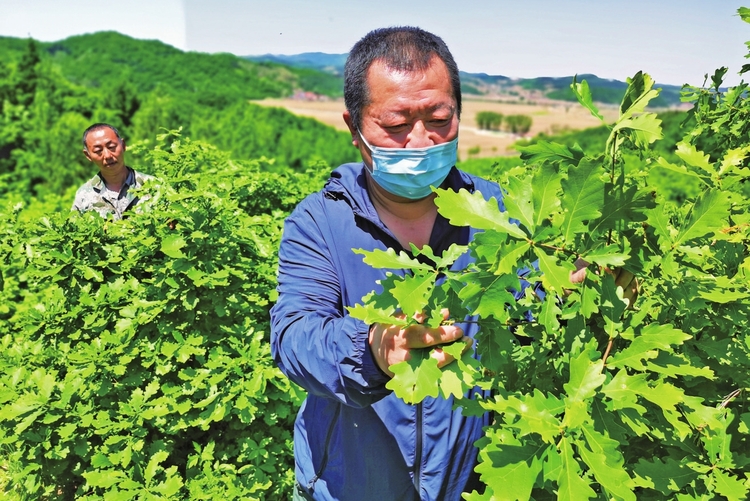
x=488 y=167
x=604 y=90
x=594 y=397
x=489 y=120
x=134 y=357
x=145 y=63
x=251 y=131
x=518 y=124
x=48 y=97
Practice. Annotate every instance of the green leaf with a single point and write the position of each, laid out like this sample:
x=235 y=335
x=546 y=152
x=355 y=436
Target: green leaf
x=415 y=379
x=665 y=395
x=583 y=94
x=585 y=375
x=489 y=244
x=660 y=221
x=487 y=294
x=730 y=486
x=100 y=460
x=172 y=245
x=583 y=197
x=494 y=346
x=638 y=94
x=572 y=486
x=510 y=470
x=104 y=479
x=666 y=474
x=607 y=256
x=646 y=128
x=709 y=215
x=171 y=485
x=550 y=315
x=512 y=254
x=450 y=255
x=388 y=259
x=679 y=169
x=369 y=314
x=691 y=156
x=623 y=390
x=518 y=202
x=462 y=208
x=556 y=275
x=153 y=464
x=545 y=193
x=451 y=381
x=611 y=476
x=646 y=346
x=411 y=293
x=612 y=302
x=545 y=151
x=459 y=376
x=536 y=415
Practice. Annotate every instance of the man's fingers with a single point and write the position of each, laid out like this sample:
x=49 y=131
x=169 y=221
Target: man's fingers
x=579 y=274
x=444 y=359
x=419 y=336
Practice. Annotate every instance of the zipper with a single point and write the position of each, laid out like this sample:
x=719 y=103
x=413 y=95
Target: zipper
x=324 y=460
x=418 y=452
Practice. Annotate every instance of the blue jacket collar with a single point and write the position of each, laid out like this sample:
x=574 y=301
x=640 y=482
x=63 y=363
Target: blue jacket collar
x=348 y=182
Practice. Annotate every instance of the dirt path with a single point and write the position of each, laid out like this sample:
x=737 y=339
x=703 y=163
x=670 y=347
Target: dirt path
x=551 y=118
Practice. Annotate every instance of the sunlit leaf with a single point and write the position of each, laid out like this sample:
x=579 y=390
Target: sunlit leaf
x=462 y=208
x=583 y=196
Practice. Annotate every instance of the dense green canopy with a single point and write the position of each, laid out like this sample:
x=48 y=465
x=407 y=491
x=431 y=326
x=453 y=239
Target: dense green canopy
x=50 y=92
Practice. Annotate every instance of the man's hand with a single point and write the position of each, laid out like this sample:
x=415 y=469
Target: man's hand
x=623 y=278
x=391 y=344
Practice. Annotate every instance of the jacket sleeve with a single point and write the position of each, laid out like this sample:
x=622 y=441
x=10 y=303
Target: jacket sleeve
x=313 y=340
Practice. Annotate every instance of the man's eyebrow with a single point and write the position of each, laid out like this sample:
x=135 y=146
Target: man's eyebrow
x=405 y=113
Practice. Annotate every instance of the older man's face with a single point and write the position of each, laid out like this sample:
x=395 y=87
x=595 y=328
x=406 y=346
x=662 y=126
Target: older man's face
x=407 y=109
x=106 y=150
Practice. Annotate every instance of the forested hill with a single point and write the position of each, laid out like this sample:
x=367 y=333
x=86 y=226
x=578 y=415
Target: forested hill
x=558 y=88
x=50 y=92
x=494 y=86
x=108 y=58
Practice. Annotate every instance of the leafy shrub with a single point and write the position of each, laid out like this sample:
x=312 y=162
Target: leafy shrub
x=136 y=362
x=518 y=124
x=592 y=399
x=489 y=120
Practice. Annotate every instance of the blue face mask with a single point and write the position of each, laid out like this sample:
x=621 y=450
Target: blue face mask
x=410 y=172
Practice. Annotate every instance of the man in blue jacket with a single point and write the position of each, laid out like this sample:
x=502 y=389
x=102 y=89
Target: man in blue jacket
x=354 y=439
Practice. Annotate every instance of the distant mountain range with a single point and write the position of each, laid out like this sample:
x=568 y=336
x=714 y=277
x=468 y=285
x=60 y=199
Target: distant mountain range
x=493 y=86
x=147 y=64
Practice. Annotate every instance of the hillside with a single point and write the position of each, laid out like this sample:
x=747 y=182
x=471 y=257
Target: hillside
x=494 y=86
x=50 y=92
x=106 y=59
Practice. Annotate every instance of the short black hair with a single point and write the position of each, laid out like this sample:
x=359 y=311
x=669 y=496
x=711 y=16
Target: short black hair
x=403 y=48
x=97 y=126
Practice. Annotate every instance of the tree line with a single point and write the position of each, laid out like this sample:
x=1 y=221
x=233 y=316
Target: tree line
x=48 y=96
x=515 y=124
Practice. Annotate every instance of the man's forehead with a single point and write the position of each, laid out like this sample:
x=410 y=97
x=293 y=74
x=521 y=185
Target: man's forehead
x=104 y=134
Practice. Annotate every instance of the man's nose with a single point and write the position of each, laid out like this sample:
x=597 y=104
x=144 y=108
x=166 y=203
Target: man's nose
x=419 y=136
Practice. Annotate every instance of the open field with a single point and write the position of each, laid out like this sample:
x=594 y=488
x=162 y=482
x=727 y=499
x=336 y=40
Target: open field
x=549 y=117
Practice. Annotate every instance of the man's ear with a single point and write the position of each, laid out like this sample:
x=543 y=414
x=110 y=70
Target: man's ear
x=352 y=128
x=85 y=152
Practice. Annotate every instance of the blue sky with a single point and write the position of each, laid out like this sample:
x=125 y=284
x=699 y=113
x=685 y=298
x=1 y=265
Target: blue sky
x=676 y=41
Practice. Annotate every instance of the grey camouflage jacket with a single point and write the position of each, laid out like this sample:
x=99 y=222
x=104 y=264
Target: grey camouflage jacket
x=93 y=195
